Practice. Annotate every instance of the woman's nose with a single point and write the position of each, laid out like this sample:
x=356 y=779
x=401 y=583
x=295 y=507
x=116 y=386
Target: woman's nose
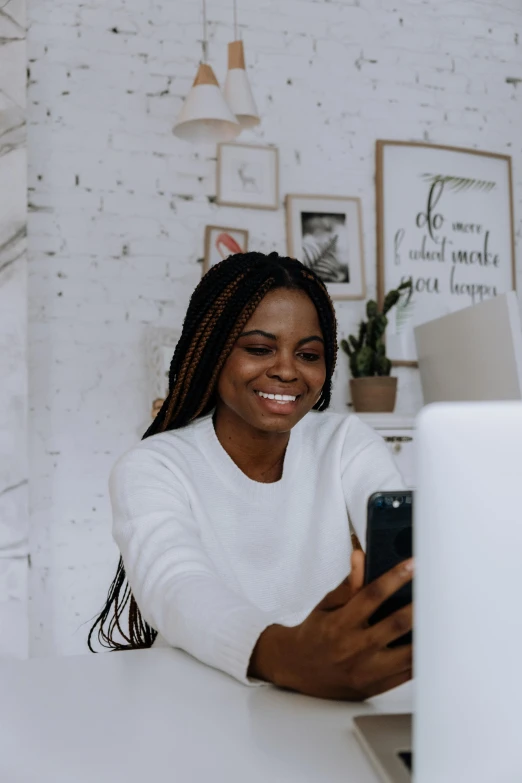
x=283 y=368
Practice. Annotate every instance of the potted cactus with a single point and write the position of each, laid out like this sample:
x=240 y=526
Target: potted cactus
x=372 y=388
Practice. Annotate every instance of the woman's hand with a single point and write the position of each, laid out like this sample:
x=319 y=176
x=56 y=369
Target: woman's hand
x=334 y=653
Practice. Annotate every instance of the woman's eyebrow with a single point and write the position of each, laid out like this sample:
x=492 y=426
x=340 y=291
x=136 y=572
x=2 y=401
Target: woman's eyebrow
x=311 y=339
x=269 y=336
x=260 y=333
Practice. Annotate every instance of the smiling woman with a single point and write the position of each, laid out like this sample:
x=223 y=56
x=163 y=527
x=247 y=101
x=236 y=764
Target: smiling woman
x=273 y=376
x=233 y=515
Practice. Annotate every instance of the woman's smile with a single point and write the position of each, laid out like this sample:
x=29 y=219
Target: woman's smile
x=277 y=403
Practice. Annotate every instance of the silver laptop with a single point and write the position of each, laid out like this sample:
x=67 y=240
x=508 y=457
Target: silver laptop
x=468 y=594
x=387 y=741
x=474 y=354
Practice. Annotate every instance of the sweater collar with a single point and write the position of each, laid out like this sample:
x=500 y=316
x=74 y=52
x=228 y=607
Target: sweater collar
x=233 y=476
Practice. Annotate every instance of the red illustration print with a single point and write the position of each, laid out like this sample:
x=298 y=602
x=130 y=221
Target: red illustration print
x=227 y=245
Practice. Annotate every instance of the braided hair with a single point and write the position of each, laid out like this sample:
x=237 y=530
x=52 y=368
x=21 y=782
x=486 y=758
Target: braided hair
x=220 y=306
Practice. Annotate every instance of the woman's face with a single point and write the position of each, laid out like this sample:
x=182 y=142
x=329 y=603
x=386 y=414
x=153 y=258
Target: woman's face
x=276 y=370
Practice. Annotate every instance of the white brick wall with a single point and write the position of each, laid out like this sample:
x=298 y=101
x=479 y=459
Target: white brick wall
x=119 y=205
x=14 y=516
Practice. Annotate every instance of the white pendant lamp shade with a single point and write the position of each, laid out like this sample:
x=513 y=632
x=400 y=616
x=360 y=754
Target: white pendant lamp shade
x=205 y=117
x=238 y=92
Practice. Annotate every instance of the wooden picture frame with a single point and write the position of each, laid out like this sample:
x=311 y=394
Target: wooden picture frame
x=326 y=234
x=221 y=242
x=247 y=176
x=437 y=224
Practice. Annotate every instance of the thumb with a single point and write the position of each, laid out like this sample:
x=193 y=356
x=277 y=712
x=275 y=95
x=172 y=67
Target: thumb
x=336 y=598
x=348 y=588
x=356 y=578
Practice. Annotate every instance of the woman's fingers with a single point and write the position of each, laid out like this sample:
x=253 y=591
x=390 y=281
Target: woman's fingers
x=391 y=628
x=395 y=660
x=388 y=683
x=369 y=599
x=337 y=654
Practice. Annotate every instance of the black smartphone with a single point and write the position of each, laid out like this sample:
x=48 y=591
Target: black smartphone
x=389 y=541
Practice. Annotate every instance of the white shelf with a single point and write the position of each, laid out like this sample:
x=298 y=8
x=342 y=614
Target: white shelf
x=387 y=421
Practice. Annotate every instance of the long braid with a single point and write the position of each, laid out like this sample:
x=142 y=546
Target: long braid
x=220 y=306
x=203 y=338
x=245 y=316
x=193 y=354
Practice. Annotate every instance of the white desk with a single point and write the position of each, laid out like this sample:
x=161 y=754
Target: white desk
x=158 y=715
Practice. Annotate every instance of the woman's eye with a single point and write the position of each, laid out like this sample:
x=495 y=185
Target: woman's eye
x=257 y=350
x=310 y=357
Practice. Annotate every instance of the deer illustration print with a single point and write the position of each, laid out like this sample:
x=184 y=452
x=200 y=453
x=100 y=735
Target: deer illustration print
x=248 y=181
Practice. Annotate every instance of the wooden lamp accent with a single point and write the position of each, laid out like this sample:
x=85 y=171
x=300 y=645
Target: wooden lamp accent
x=236 y=55
x=238 y=92
x=205 y=75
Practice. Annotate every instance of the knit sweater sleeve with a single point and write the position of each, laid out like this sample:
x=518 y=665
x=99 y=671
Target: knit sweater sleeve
x=172 y=579
x=367 y=466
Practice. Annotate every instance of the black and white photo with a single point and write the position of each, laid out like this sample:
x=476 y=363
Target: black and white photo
x=324 y=232
x=325 y=249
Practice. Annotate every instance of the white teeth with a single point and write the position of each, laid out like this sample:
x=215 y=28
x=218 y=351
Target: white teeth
x=278 y=397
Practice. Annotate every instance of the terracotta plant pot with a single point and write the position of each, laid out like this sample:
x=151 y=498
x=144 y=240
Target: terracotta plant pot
x=376 y=394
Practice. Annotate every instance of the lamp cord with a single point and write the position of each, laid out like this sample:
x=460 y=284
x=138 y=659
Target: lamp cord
x=205 y=38
x=236 y=35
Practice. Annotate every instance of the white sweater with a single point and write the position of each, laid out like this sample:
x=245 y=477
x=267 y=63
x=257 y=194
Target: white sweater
x=213 y=557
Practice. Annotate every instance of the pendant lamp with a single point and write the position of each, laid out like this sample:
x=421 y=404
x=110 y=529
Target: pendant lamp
x=238 y=92
x=206 y=117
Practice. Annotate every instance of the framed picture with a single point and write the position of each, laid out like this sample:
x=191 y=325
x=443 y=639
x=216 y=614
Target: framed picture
x=160 y=343
x=445 y=221
x=248 y=176
x=325 y=234
x=221 y=243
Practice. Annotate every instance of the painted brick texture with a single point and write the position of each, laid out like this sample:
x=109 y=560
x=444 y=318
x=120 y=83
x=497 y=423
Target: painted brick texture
x=118 y=206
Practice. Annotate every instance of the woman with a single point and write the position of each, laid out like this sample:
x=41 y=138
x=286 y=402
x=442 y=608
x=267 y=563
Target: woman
x=233 y=514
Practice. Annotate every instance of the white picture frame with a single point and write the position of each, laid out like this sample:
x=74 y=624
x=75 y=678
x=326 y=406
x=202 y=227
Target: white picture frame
x=160 y=346
x=222 y=242
x=248 y=176
x=445 y=220
x=325 y=234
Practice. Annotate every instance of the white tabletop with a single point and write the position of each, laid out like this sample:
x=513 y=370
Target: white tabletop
x=155 y=715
